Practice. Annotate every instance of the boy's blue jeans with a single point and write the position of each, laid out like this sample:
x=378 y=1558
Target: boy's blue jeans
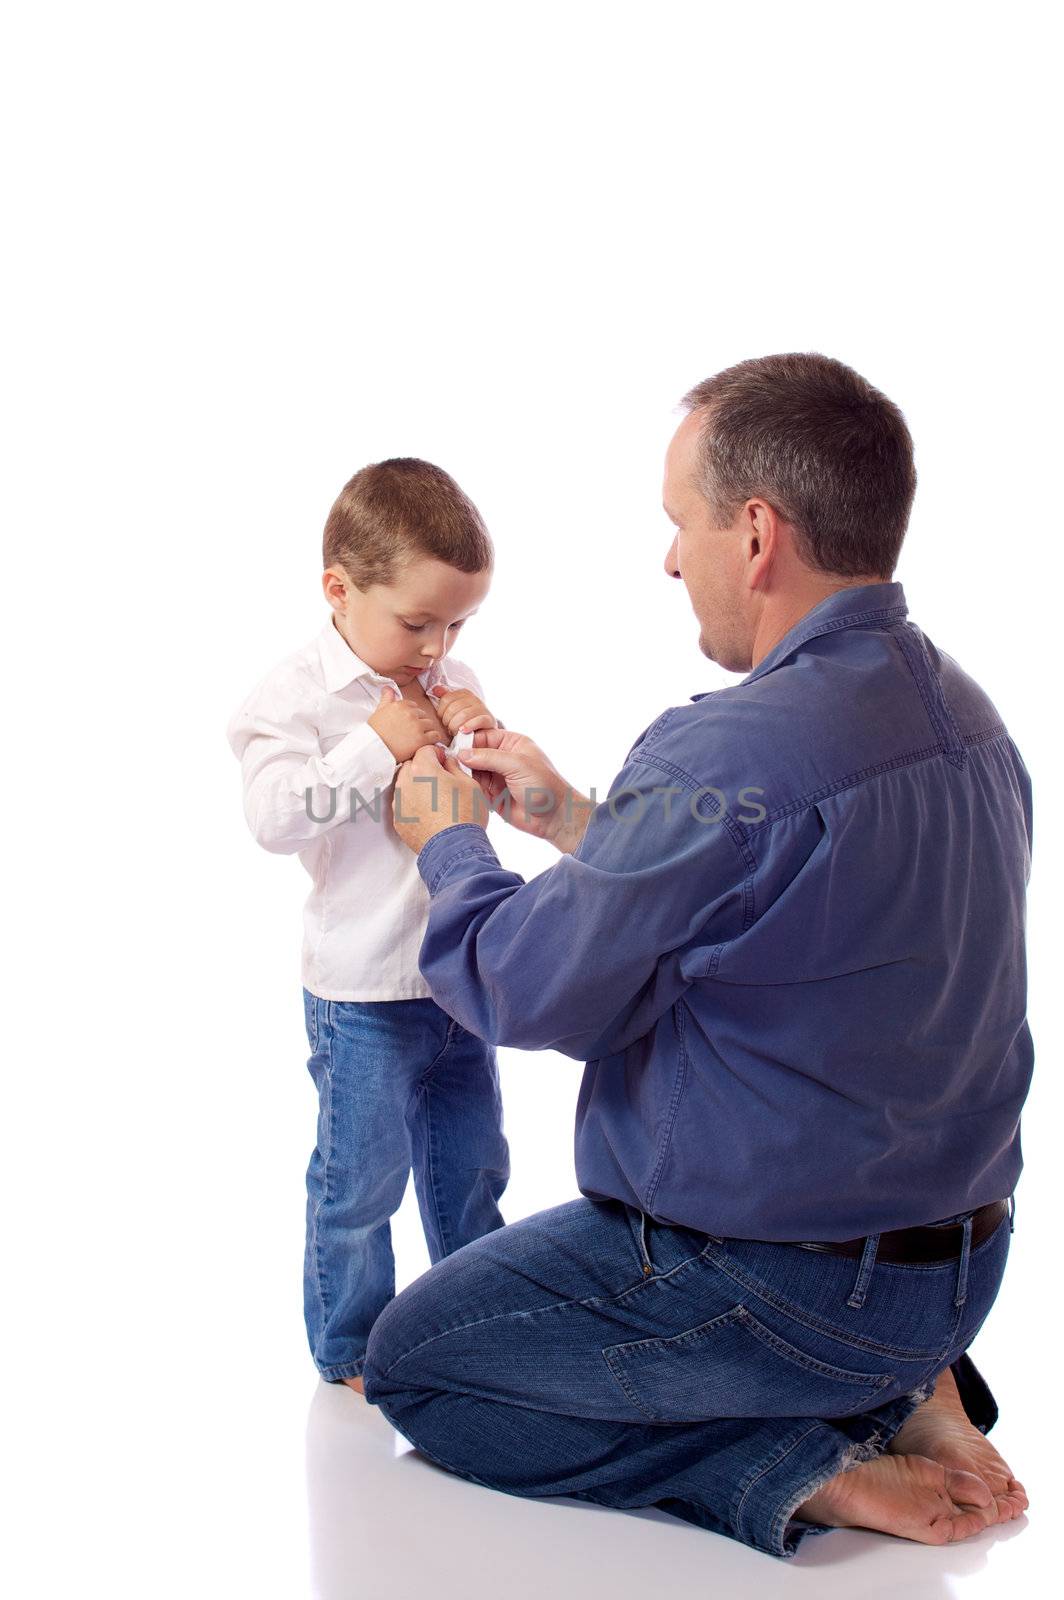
x=595 y=1352
x=400 y=1085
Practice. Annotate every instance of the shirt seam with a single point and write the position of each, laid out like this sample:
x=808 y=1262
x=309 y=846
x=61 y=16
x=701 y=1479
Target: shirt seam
x=477 y=848
x=938 y=714
x=728 y=822
x=854 y=619
x=850 y=780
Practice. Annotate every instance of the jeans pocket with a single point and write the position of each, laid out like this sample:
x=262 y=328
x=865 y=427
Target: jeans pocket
x=733 y=1366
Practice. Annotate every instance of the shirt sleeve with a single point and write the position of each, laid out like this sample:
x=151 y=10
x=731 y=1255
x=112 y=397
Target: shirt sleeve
x=289 y=783
x=585 y=957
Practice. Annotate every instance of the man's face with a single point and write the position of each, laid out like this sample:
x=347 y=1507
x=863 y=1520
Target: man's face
x=400 y=628
x=708 y=559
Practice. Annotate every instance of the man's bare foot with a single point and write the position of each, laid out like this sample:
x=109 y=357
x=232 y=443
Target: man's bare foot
x=940 y=1431
x=354 y=1383
x=904 y=1495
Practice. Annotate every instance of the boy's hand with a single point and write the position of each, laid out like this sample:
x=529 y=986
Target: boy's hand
x=402 y=725
x=460 y=711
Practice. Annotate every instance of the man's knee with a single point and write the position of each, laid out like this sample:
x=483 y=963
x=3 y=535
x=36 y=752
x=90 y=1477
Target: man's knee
x=389 y=1339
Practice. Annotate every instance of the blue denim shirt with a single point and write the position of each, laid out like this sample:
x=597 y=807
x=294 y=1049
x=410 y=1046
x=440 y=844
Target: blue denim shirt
x=790 y=946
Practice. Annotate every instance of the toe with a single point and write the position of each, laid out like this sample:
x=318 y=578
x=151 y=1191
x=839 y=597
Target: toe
x=965 y=1522
x=966 y=1489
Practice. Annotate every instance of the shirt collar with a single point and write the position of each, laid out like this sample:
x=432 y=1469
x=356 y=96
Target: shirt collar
x=865 y=605
x=341 y=666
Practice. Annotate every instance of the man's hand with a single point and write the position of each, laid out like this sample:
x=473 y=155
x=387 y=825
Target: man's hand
x=459 y=710
x=441 y=797
x=525 y=787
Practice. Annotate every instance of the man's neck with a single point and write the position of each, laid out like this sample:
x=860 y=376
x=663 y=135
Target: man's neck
x=783 y=612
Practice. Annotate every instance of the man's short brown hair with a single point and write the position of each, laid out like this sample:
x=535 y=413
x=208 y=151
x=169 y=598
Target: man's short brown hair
x=394 y=511
x=831 y=454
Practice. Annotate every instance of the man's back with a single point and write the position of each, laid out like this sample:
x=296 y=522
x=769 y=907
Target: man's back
x=790 y=944
x=853 y=1049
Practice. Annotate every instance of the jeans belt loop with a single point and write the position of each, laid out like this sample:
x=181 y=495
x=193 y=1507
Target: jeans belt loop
x=647 y=1263
x=864 y=1272
x=1012 y=1213
x=962 y=1270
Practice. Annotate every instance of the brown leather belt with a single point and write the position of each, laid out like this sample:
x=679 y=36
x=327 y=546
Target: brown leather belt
x=940 y=1241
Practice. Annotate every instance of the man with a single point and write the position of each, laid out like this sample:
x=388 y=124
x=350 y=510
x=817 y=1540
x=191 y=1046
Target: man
x=789 y=947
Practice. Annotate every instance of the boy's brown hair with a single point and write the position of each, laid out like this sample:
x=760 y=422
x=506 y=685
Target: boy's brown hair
x=394 y=511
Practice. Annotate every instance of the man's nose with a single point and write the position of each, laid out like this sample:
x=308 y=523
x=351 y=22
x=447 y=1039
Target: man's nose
x=672 y=566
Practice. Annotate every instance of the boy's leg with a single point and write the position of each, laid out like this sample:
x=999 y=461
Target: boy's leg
x=461 y=1158
x=366 y=1058
x=585 y=1352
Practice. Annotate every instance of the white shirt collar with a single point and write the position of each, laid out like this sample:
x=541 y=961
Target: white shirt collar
x=341 y=666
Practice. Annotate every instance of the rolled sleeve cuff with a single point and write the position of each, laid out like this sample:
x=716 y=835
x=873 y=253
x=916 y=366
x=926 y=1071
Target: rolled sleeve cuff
x=438 y=855
x=362 y=757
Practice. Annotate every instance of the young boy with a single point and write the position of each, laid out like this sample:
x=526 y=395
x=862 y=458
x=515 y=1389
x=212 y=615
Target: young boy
x=400 y=1083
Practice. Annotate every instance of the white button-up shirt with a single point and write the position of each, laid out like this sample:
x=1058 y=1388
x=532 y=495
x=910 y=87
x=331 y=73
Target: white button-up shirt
x=304 y=728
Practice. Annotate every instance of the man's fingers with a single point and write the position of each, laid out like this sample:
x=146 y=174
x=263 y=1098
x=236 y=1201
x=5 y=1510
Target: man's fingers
x=501 y=761
x=425 y=755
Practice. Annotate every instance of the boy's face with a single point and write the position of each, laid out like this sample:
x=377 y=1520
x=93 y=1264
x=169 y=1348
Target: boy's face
x=399 y=629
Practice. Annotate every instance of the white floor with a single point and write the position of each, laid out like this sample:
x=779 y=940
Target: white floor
x=384 y=1521
x=176 y=1442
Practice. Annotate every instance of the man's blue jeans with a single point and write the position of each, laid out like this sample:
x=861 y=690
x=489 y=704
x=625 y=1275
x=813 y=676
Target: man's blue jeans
x=400 y=1085
x=595 y=1352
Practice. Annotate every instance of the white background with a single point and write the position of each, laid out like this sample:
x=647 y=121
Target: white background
x=250 y=248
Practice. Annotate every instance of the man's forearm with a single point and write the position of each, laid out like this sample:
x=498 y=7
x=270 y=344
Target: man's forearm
x=571 y=821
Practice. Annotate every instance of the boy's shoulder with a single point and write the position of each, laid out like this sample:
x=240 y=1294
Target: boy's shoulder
x=292 y=684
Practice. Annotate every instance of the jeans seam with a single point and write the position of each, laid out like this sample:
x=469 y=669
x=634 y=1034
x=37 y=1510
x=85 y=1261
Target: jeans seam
x=762 y=1292
x=762 y=1470
x=442 y=1051
x=319 y=1274
x=430 y=1158
x=342 y=1369
x=556 y=1305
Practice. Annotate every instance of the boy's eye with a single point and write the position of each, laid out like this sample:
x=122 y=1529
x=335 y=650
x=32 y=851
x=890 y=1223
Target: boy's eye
x=416 y=627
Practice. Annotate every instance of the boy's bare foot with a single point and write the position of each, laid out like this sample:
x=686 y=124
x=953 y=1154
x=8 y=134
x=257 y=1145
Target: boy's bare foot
x=905 y=1495
x=940 y=1431
x=354 y=1383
